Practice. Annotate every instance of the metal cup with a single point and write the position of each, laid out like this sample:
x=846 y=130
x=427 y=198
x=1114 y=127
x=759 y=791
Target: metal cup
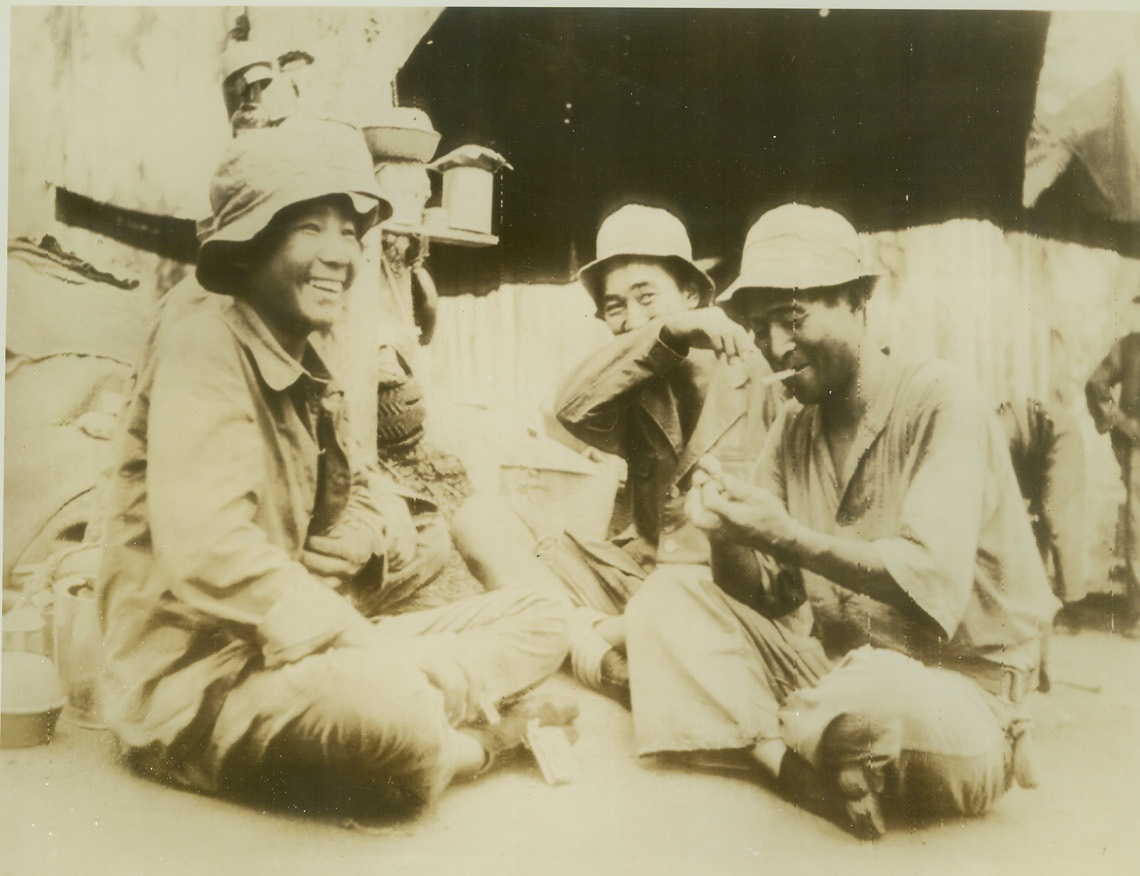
x=78 y=646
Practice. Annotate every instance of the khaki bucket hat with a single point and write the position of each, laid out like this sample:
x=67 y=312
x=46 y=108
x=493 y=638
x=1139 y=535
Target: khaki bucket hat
x=799 y=247
x=645 y=232
x=265 y=170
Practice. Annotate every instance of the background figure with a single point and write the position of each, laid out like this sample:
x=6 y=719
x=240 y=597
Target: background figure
x=1113 y=395
x=1048 y=457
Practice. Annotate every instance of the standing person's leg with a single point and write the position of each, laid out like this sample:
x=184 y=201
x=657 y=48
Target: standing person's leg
x=1130 y=469
x=1063 y=514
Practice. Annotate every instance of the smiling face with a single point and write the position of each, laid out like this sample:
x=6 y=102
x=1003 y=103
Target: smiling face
x=634 y=291
x=298 y=283
x=818 y=332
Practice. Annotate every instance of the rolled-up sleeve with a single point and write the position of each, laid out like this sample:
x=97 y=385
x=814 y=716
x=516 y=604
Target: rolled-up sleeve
x=934 y=554
x=594 y=403
x=206 y=475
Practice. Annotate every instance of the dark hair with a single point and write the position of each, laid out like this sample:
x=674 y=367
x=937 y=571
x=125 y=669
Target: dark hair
x=857 y=292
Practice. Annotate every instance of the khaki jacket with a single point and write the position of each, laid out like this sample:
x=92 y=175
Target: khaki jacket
x=629 y=399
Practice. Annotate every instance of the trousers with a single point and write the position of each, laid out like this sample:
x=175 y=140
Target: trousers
x=357 y=725
x=709 y=674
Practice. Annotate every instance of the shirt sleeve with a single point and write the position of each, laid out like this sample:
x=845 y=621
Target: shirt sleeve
x=946 y=472
x=595 y=401
x=206 y=477
x=1098 y=390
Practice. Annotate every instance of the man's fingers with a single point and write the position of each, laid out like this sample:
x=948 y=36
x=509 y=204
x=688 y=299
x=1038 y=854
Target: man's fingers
x=714 y=500
x=696 y=511
x=338 y=548
x=711 y=465
x=323 y=544
x=735 y=488
x=325 y=566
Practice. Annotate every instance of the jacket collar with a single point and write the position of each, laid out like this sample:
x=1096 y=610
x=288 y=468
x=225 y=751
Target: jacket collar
x=278 y=369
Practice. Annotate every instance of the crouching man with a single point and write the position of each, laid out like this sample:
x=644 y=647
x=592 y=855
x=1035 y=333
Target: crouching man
x=889 y=503
x=236 y=659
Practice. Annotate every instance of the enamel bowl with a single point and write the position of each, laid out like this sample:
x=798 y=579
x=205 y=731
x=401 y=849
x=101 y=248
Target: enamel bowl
x=31 y=698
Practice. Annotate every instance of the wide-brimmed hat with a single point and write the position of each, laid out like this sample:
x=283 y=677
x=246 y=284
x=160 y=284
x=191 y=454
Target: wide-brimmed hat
x=266 y=170
x=800 y=247
x=639 y=231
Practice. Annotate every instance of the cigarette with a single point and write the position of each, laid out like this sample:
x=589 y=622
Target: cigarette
x=779 y=375
x=487 y=707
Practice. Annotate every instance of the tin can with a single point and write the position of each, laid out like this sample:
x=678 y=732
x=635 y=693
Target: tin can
x=78 y=648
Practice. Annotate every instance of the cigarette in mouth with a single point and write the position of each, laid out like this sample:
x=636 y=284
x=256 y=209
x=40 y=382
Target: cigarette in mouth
x=779 y=375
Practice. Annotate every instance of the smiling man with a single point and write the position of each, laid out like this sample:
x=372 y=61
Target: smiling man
x=243 y=530
x=679 y=379
x=889 y=501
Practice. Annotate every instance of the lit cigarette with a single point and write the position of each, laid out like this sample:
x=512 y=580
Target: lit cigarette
x=779 y=375
x=487 y=707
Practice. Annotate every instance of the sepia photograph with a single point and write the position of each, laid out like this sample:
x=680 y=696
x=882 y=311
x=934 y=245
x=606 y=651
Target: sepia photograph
x=625 y=441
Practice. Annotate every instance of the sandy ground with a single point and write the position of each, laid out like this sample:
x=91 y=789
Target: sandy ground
x=68 y=808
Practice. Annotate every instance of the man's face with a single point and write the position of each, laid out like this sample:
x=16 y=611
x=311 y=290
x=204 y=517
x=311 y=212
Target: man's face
x=299 y=287
x=813 y=331
x=636 y=291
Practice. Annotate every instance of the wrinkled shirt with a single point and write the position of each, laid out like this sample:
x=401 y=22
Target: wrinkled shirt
x=219 y=476
x=662 y=409
x=929 y=483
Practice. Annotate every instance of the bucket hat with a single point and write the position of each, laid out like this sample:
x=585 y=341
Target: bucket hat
x=646 y=232
x=799 y=247
x=265 y=170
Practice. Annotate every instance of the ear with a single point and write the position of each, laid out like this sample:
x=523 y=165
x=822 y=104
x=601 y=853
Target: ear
x=691 y=295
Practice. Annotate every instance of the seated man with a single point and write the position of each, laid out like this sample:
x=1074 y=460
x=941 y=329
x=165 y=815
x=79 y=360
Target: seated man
x=888 y=499
x=241 y=533
x=679 y=379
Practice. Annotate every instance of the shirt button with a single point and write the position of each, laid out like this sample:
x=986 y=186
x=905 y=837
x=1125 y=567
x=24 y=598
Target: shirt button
x=670 y=546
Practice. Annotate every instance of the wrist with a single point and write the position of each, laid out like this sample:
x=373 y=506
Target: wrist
x=669 y=337
x=788 y=545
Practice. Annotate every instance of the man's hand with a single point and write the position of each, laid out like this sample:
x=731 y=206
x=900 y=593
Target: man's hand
x=399 y=529
x=438 y=658
x=706 y=328
x=729 y=508
x=338 y=556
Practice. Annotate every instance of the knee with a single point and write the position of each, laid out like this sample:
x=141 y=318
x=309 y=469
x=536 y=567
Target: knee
x=371 y=737
x=480 y=514
x=492 y=539
x=547 y=619
x=664 y=594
